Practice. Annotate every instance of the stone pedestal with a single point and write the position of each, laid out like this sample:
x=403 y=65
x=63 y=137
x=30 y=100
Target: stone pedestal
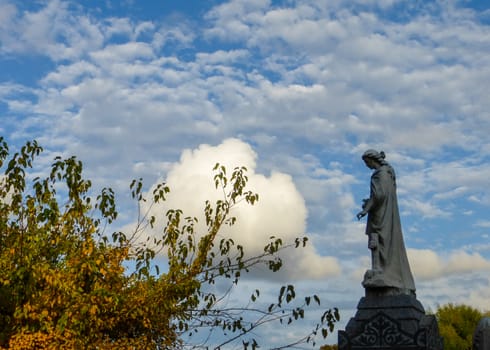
x=389 y=320
x=481 y=337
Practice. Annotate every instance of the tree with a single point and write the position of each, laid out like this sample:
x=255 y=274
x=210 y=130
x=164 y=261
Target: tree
x=457 y=324
x=64 y=282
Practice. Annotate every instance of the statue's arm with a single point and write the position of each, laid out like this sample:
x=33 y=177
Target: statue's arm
x=367 y=204
x=376 y=196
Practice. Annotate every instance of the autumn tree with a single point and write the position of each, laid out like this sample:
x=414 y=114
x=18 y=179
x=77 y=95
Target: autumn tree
x=457 y=324
x=65 y=281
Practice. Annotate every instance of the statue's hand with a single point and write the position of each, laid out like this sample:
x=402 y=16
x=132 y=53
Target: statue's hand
x=361 y=214
x=373 y=241
x=364 y=203
x=372 y=244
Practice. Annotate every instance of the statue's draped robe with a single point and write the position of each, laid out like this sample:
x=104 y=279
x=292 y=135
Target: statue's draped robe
x=384 y=219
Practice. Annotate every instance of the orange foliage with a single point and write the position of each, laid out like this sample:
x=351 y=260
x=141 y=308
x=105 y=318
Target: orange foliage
x=63 y=284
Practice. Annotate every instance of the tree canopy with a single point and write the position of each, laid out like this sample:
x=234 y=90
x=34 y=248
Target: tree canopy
x=65 y=282
x=457 y=324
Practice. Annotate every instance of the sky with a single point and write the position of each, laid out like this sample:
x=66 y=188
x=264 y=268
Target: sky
x=296 y=91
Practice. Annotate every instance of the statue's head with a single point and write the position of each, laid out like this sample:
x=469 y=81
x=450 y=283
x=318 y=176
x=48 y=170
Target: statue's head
x=372 y=158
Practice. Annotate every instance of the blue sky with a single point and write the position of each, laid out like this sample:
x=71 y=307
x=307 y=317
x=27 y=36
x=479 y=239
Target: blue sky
x=295 y=90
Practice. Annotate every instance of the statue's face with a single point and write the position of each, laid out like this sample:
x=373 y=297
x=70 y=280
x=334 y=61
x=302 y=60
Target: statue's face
x=370 y=163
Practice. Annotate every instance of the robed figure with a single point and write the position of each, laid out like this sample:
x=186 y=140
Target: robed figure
x=390 y=267
x=389 y=316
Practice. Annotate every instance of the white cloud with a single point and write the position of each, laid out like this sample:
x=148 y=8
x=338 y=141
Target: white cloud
x=453 y=193
x=426 y=264
x=229 y=18
x=394 y=94
x=390 y=64
x=440 y=277
x=55 y=31
x=7 y=14
x=176 y=34
x=123 y=52
x=66 y=75
x=480 y=298
x=280 y=211
x=483 y=223
x=423 y=208
x=462 y=262
x=117 y=26
x=221 y=56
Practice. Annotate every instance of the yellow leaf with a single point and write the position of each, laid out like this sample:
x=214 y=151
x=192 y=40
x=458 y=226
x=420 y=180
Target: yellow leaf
x=93 y=310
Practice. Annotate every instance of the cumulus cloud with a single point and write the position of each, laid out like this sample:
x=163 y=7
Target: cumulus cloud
x=457 y=276
x=280 y=211
x=426 y=264
x=480 y=298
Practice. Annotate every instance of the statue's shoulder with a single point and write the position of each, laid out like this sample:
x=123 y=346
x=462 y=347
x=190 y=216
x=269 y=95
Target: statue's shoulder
x=387 y=168
x=385 y=171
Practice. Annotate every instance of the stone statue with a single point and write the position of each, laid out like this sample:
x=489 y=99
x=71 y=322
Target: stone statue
x=390 y=267
x=389 y=316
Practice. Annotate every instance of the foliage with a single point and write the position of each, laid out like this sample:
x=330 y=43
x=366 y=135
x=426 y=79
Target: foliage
x=457 y=324
x=64 y=282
